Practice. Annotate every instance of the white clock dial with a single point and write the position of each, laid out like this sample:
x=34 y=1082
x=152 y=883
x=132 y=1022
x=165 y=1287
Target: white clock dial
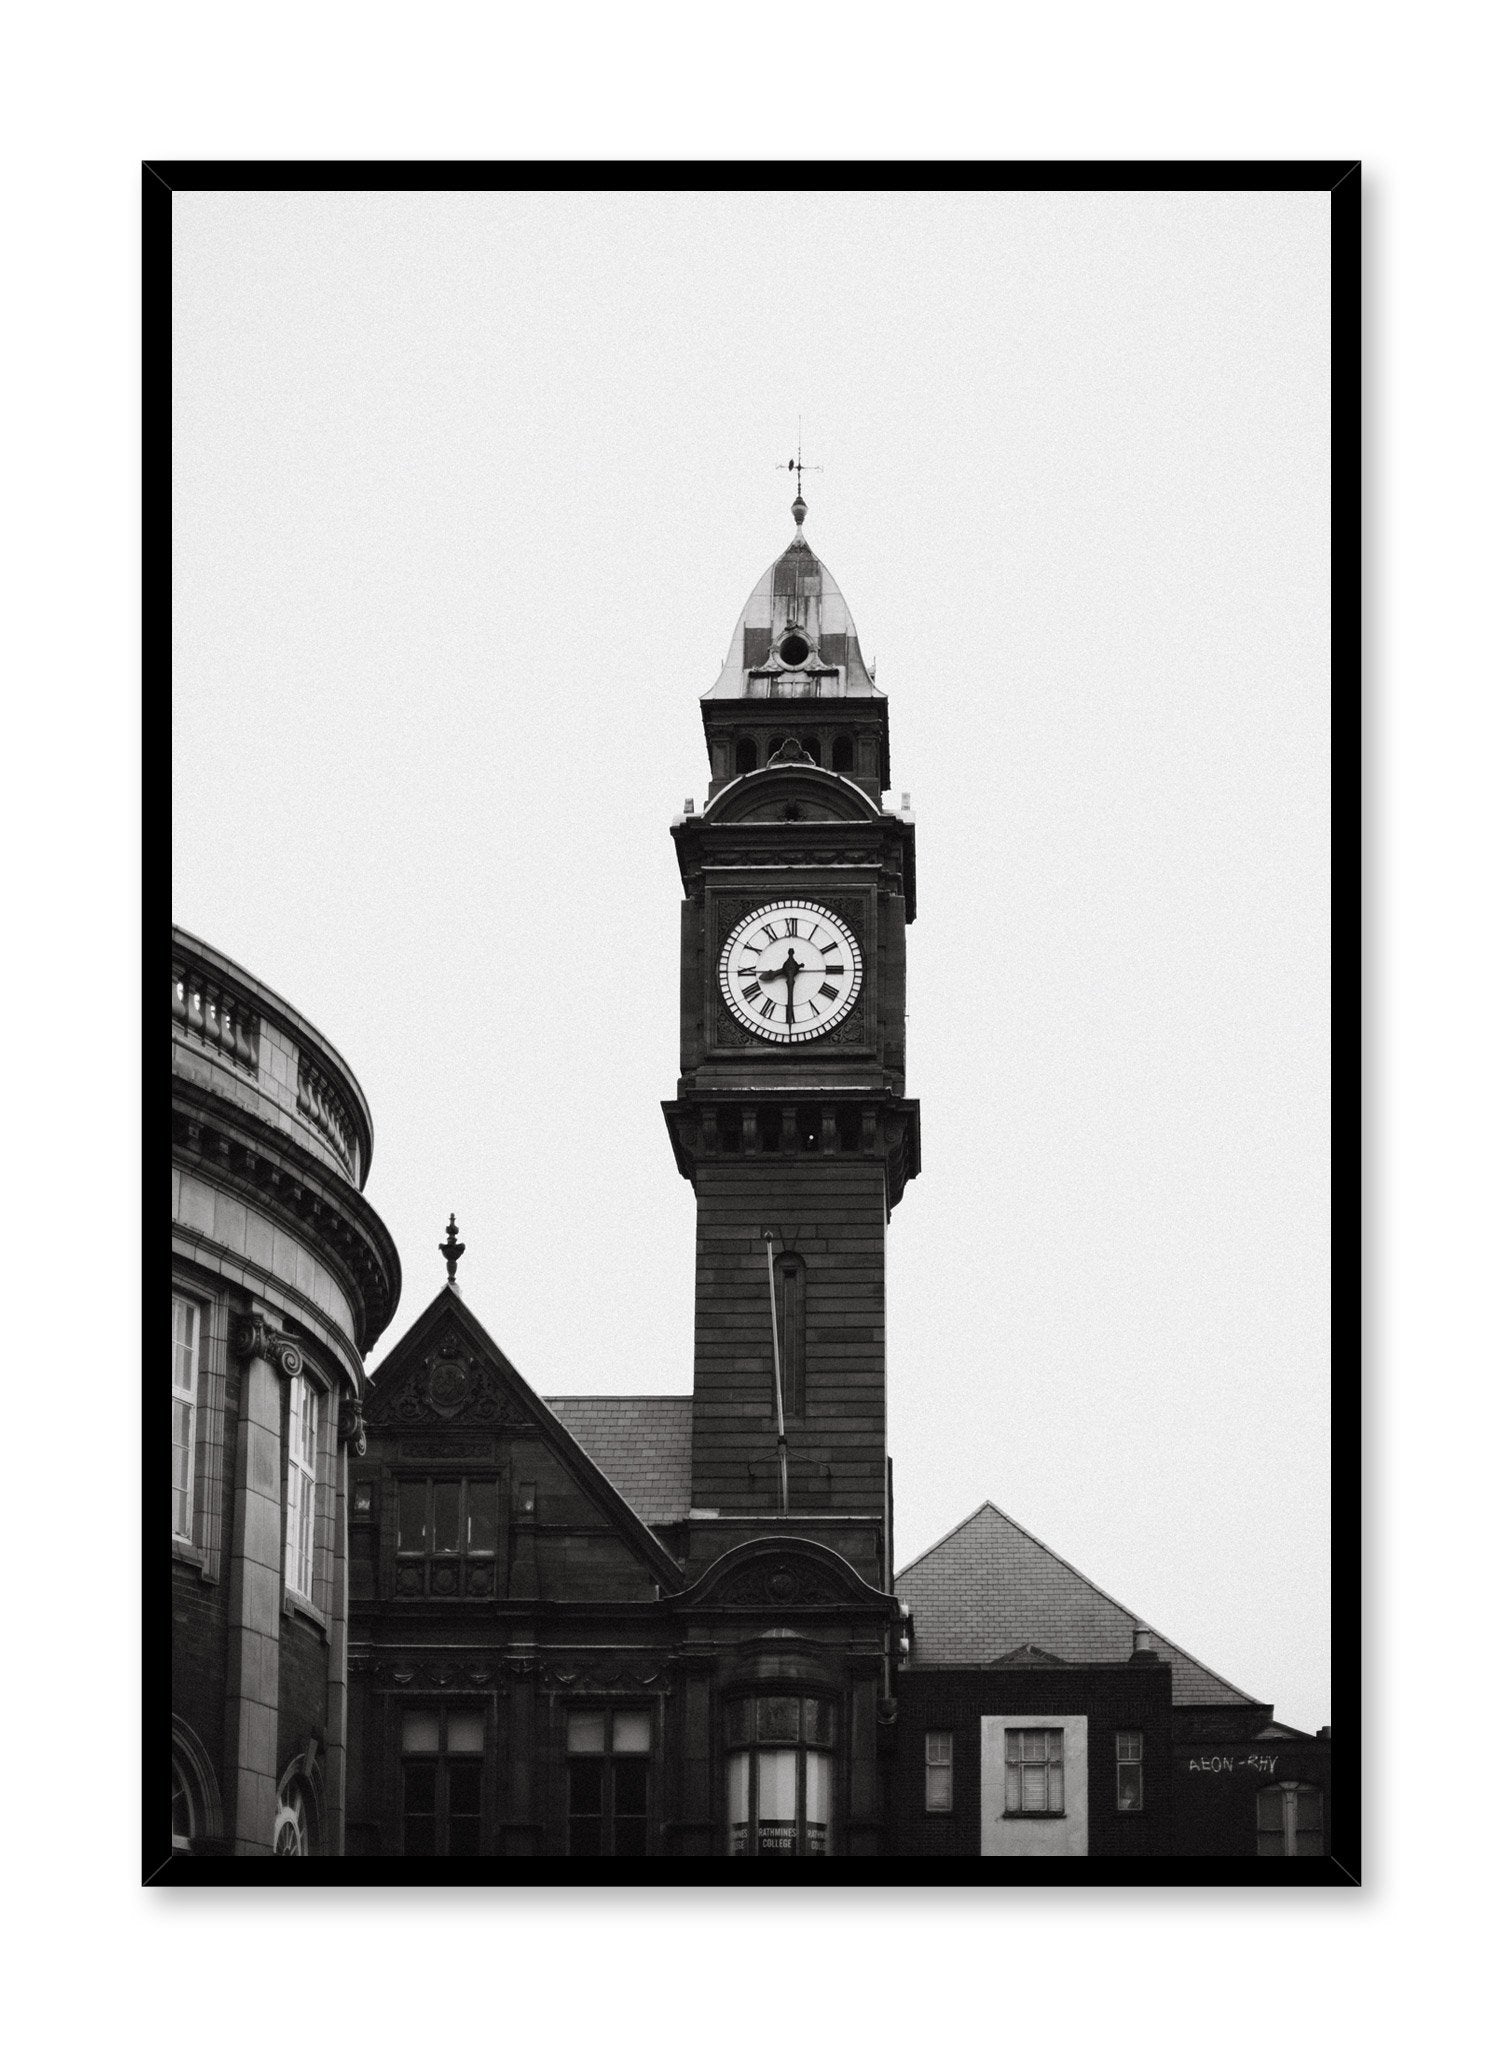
x=790 y=971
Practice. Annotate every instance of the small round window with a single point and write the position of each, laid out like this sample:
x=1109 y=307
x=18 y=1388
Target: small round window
x=793 y=648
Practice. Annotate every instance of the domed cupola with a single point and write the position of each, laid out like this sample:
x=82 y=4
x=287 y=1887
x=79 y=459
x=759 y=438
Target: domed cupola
x=795 y=671
x=795 y=636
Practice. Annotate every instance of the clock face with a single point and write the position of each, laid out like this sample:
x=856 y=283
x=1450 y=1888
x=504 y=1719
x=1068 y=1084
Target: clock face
x=790 y=971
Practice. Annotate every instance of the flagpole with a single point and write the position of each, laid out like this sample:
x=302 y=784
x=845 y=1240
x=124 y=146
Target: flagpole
x=777 y=1375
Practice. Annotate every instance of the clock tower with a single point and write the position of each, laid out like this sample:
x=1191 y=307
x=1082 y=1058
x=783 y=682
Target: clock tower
x=790 y=1119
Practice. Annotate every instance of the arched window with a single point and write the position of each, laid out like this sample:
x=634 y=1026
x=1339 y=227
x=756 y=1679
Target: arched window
x=780 y=1776
x=196 y=1821
x=810 y=744
x=843 y=754
x=184 y=1820
x=770 y=1128
x=294 y=1831
x=788 y=1270
x=746 y=756
x=1290 y=1821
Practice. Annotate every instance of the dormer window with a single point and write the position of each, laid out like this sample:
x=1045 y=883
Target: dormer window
x=793 y=648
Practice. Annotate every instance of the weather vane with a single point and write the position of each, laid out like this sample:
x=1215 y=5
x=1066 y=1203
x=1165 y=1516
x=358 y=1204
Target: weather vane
x=797 y=463
x=451 y=1251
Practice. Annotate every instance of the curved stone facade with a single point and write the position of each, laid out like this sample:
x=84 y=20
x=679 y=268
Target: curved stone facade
x=283 y=1277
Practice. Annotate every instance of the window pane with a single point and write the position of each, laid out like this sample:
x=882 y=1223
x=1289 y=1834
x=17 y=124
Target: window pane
x=1129 y=1787
x=938 y=1747
x=819 y=1777
x=1014 y=1789
x=1271 y=1809
x=938 y=1788
x=586 y=1784
x=420 y=1807
x=466 y=1730
x=1035 y=1788
x=737 y=1788
x=1271 y=1845
x=819 y=1772
x=1014 y=1745
x=1129 y=1747
x=738 y=1723
x=465 y=1781
x=1307 y=1810
x=184 y=1343
x=1055 y=1740
x=464 y=1787
x=630 y=1838
x=777 y=1720
x=629 y=1779
x=420 y=1730
x=1056 y=1788
x=777 y=1784
x=482 y=1515
x=587 y=1732
x=631 y=1731
x=1033 y=1746
x=446 y=1514
x=819 y=1722
x=585 y=1807
x=412 y=1526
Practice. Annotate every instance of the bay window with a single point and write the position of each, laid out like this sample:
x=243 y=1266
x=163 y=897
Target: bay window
x=780 y=1776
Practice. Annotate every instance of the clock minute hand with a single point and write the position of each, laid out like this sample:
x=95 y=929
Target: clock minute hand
x=791 y=970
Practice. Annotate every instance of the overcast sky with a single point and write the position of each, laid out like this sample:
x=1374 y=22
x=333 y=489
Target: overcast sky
x=471 y=489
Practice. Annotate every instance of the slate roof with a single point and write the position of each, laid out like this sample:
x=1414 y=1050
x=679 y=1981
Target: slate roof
x=641 y=1442
x=989 y=1587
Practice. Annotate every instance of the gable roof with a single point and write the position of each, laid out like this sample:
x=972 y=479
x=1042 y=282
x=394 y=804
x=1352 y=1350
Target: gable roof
x=403 y=1363
x=641 y=1442
x=989 y=1588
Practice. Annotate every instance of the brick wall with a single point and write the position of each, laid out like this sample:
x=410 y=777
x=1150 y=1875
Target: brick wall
x=832 y=1211
x=1113 y=1697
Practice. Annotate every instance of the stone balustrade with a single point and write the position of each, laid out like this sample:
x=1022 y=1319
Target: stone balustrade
x=216 y=1015
x=239 y=1039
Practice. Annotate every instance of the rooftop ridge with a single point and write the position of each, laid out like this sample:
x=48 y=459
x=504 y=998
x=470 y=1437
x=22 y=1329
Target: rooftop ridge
x=1100 y=1591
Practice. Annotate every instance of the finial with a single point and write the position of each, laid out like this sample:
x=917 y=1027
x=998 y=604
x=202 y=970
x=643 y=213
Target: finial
x=798 y=465
x=451 y=1251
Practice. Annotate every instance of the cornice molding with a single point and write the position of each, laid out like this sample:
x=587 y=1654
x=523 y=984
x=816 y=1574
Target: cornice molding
x=260 y=1162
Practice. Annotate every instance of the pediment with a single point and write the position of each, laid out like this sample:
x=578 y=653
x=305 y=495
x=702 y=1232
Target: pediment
x=449 y=1374
x=775 y=1575
x=1028 y=1653
x=443 y=1381
x=791 y=791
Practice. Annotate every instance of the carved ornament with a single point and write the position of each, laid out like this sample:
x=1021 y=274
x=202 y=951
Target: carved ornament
x=255 y=1338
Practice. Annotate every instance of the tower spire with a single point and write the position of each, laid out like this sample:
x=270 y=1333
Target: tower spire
x=451 y=1251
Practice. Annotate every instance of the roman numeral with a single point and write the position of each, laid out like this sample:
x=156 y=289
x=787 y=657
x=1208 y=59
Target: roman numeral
x=831 y=947
x=772 y=935
x=767 y=1009
x=790 y=927
x=834 y=969
x=829 y=993
x=813 y=1007
x=749 y=990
